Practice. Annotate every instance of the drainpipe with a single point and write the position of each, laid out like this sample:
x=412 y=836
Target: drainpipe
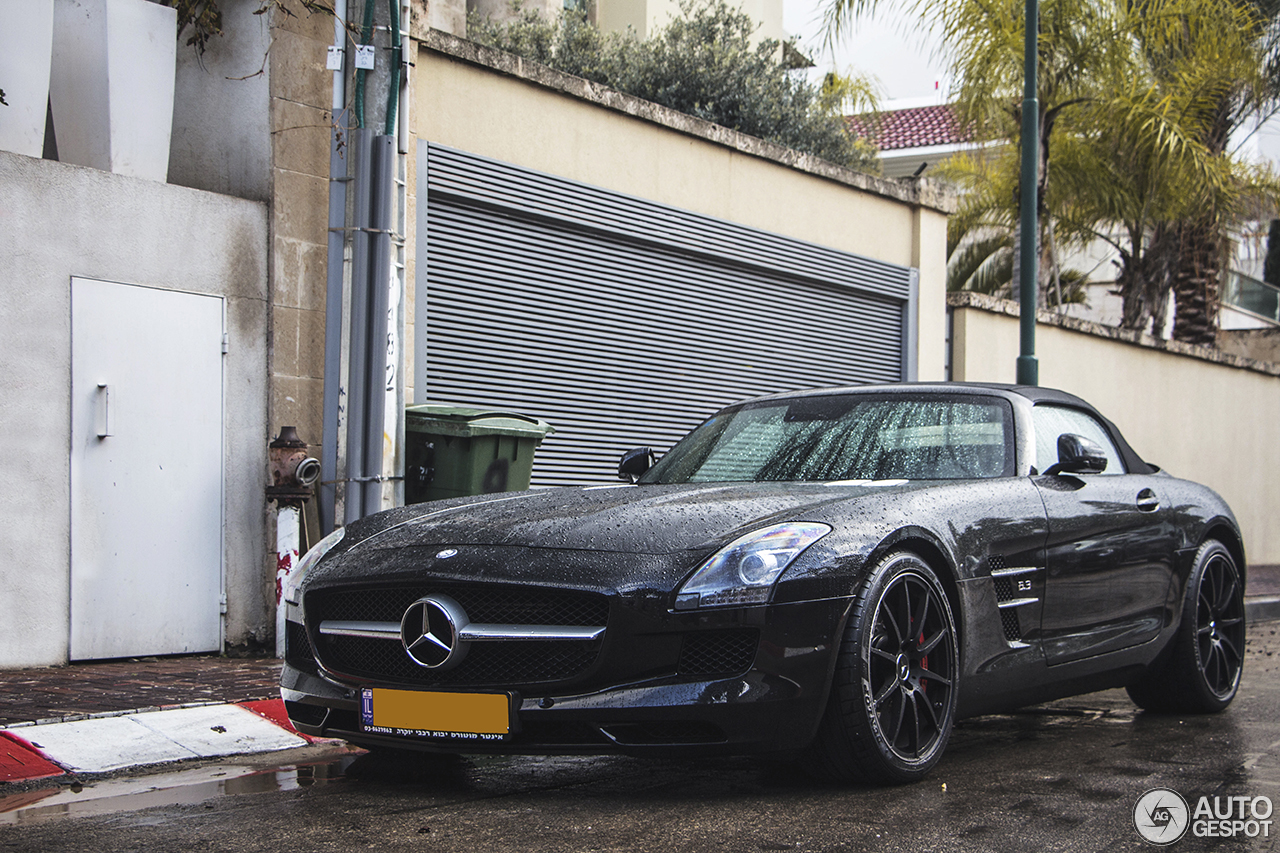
x=406 y=63
x=327 y=493
x=380 y=277
x=357 y=399
x=372 y=396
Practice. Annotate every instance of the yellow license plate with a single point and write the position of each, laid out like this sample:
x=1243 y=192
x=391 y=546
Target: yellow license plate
x=423 y=713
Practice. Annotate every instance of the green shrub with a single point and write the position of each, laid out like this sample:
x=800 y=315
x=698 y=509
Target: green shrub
x=703 y=64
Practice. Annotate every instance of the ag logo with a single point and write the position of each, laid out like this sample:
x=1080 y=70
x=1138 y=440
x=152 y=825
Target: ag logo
x=1161 y=816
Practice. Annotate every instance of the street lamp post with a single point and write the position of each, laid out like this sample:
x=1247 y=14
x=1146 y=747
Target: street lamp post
x=1028 y=366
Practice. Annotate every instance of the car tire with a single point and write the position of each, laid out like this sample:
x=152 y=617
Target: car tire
x=893 y=695
x=1202 y=671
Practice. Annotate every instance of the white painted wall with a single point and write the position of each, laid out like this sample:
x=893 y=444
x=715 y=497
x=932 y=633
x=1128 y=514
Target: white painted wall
x=221 y=138
x=61 y=221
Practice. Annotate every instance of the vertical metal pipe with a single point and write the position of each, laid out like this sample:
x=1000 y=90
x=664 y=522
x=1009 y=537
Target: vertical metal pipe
x=407 y=49
x=383 y=192
x=326 y=491
x=911 y=330
x=1028 y=368
x=420 y=292
x=358 y=393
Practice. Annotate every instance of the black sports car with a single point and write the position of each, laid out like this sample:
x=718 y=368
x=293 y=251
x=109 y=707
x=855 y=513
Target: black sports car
x=838 y=574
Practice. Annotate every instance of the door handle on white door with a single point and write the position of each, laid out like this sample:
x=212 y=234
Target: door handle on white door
x=102 y=411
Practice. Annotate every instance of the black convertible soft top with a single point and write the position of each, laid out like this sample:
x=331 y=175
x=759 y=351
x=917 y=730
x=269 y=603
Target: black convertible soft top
x=1036 y=394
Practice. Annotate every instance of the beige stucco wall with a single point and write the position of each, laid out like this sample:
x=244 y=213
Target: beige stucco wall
x=491 y=104
x=1195 y=413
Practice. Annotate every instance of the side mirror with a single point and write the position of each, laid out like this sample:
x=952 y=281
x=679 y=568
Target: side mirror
x=634 y=463
x=1078 y=455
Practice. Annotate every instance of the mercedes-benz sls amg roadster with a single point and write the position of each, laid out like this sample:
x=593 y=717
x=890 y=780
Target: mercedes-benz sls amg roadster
x=835 y=574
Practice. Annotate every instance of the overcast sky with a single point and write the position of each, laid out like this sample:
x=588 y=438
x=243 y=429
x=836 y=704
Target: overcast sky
x=900 y=60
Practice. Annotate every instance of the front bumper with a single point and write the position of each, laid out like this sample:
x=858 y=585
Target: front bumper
x=775 y=705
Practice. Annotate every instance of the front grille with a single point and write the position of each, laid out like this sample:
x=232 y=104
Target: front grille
x=297 y=647
x=511 y=663
x=482 y=602
x=508 y=663
x=718 y=652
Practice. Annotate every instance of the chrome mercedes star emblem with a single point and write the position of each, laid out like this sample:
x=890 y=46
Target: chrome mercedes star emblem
x=429 y=631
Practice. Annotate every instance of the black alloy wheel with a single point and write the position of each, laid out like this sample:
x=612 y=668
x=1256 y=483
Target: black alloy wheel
x=893 y=701
x=911 y=692
x=1202 y=671
x=1220 y=625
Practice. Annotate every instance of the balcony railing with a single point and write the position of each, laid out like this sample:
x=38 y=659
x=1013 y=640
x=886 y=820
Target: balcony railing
x=1255 y=297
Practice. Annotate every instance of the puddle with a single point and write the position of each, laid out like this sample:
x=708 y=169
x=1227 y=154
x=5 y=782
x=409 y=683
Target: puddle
x=182 y=787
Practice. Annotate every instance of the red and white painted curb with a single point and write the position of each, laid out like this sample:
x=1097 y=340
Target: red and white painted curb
x=100 y=744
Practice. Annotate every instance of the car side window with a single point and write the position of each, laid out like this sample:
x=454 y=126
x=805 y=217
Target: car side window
x=1052 y=421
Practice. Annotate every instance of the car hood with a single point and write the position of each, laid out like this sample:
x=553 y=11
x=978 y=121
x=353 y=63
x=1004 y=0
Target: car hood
x=622 y=519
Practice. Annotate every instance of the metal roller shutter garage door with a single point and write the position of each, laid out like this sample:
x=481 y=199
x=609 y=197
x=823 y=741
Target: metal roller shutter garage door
x=624 y=322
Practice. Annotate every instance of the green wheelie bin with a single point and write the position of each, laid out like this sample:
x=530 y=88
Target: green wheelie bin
x=452 y=451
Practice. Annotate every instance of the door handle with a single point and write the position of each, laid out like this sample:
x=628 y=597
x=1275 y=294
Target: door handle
x=1147 y=501
x=102 y=411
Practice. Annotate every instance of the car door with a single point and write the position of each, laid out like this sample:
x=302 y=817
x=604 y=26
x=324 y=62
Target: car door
x=1110 y=548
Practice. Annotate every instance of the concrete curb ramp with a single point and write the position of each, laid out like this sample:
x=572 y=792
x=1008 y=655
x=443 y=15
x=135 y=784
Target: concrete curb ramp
x=103 y=744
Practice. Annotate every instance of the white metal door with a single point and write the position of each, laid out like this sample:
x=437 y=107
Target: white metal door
x=146 y=471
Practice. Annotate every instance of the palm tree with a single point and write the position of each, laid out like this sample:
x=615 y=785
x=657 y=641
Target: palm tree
x=1125 y=90
x=1246 y=85
x=1079 y=42
x=981 y=234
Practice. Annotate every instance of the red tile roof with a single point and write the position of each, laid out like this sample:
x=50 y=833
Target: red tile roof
x=916 y=127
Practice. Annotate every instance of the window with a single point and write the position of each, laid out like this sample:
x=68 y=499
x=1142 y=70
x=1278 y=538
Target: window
x=832 y=438
x=1053 y=421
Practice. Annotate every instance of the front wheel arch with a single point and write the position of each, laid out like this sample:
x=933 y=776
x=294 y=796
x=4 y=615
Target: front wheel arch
x=922 y=544
x=892 y=699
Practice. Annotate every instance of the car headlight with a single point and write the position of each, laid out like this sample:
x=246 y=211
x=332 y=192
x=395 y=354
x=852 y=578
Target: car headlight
x=743 y=572
x=292 y=584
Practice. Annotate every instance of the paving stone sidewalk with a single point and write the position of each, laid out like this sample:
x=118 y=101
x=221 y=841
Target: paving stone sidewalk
x=85 y=689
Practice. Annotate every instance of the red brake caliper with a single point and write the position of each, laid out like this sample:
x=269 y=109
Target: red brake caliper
x=924 y=663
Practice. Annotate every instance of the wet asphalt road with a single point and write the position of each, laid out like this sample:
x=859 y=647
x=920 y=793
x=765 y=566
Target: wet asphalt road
x=1064 y=776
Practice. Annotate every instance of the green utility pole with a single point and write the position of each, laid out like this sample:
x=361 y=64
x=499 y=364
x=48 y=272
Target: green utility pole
x=1028 y=367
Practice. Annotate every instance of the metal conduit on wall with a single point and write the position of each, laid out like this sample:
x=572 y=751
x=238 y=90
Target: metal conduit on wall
x=326 y=489
x=356 y=379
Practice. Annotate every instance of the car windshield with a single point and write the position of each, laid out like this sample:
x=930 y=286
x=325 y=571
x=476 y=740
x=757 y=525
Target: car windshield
x=845 y=437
